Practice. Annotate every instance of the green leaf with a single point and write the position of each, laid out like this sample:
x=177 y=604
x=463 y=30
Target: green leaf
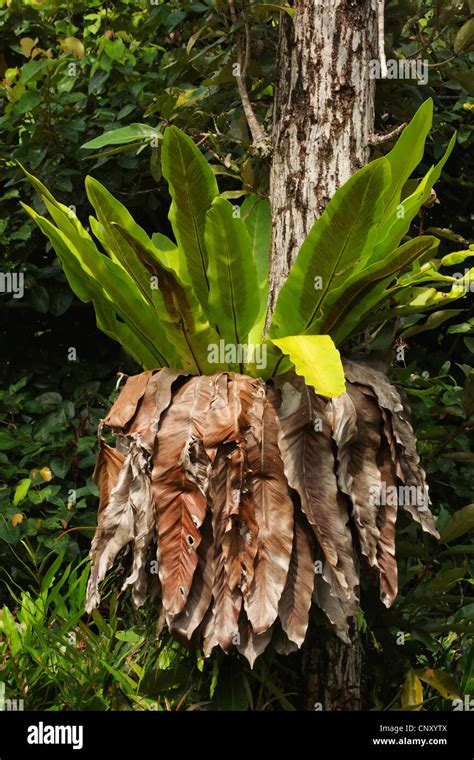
x=94 y=277
x=317 y=359
x=465 y=37
x=442 y=682
x=193 y=187
x=460 y=523
x=28 y=101
x=10 y=630
x=396 y=223
x=171 y=256
x=230 y=693
x=124 y=680
x=434 y=321
x=32 y=71
x=157 y=680
x=407 y=154
x=60 y=302
x=257 y=218
x=466 y=457
x=234 y=302
x=458 y=257
x=122 y=136
x=21 y=490
x=179 y=312
x=341 y=240
x=129 y=636
x=60 y=466
x=412 y=694
x=39 y=298
x=43 y=191
x=48 y=578
x=110 y=210
x=442 y=582
x=115 y=151
x=363 y=291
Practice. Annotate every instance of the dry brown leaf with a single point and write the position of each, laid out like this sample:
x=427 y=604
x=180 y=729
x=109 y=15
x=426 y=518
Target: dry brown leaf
x=115 y=530
x=386 y=521
x=363 y=470
x=252 y=645
x=179 y=483
x=106 y=472
x=295 y=602
x=306 y=447
x=204 y=465
x=156 y=399
x=200 y=596
x=27 y=45
x=144 y=523
x=220 y=426
x=280 y=641
x=224 y=622
x=73 y=45
x=409 y=466
x=337 y=609
x=126 y=404
x=274 y=513
x=239 y=543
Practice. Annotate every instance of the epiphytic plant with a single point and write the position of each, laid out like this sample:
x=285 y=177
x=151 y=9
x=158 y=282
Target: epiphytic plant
x=245 y=461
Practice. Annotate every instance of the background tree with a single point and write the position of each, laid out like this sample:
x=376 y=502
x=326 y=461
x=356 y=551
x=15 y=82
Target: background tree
x=323 y=122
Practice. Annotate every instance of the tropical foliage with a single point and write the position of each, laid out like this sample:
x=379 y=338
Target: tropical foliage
x=169 y=302
x=155 y=65
x=201 y=474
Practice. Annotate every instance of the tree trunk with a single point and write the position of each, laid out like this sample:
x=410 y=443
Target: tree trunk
x=322 y=124
x=323 y=117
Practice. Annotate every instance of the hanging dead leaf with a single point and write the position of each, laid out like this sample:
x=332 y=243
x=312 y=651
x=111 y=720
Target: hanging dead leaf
x=106 y=472
x=306 y=447
x=295 y=602
x=180 y=481
x=274 y=514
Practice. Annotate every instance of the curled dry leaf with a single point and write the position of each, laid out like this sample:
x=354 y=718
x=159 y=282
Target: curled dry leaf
x=114 y=531
x=126 y=404
x=106 y=472
x=408 y=461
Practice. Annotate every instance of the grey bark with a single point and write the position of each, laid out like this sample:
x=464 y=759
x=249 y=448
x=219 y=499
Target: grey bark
x=323 y=117
x=323 y=123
